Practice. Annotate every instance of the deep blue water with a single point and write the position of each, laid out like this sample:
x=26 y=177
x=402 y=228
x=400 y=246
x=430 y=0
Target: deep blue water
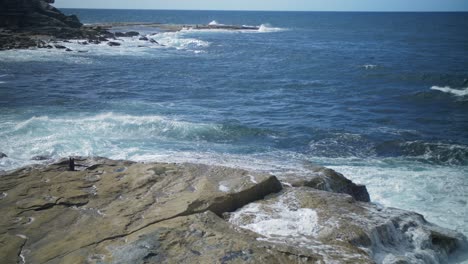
x=380 y=97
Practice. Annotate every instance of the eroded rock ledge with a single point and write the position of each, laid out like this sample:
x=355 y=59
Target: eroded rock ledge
x=124 y=212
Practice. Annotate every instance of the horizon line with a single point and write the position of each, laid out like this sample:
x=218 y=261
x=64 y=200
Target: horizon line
x=252 y=10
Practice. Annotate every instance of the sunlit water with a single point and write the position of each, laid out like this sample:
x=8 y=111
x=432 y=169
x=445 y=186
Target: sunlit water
x=380 y=97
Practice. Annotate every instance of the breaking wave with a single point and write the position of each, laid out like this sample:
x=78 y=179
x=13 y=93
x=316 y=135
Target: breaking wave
x=452 y=91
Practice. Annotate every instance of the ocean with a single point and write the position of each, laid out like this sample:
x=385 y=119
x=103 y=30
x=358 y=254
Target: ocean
x=379 y=97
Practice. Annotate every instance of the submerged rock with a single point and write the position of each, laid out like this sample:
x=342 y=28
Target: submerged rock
x=112 y=43
x=3 y=155
x=125 y=212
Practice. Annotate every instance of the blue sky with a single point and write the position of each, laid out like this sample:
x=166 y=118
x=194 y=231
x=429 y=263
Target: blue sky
x=301 y=5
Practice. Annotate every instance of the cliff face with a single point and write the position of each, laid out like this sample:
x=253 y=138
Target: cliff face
x=33 y=15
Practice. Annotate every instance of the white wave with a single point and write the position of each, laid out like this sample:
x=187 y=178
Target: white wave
x=178 y=41
x=265 y=28
x=215 y=23
x=447 y=89
x=369 y=66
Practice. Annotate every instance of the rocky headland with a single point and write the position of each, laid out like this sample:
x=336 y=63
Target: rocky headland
x=37 y=24
x=114 y=211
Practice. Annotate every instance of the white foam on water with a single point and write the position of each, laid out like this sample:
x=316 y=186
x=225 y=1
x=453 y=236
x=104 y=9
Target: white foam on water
x=215 y=23
x=369 y=66
x=278 y=222
x=129 y=46
x=440 y=193
x=452 y=91
x=267 y=28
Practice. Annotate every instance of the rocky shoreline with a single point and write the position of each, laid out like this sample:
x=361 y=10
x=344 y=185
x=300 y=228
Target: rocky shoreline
x=111 y=211
x=28 y=24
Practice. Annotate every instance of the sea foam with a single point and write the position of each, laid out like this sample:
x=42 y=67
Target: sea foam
x=452 y=91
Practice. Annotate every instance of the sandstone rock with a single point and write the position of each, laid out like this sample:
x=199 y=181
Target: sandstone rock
x=60 y=212
x=326 y=179
x=342 y=229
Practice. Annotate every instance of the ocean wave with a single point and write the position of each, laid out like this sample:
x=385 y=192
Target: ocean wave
x=347 y=145
x=452 y=91
x=266 y=28
x=369 y=66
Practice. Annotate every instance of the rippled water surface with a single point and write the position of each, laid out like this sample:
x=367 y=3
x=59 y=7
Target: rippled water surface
x=380 y=97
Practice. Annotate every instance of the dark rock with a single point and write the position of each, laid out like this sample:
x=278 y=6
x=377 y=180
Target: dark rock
x=132 y=34
x=326 y=179
x=84 y=43
x=119 y=34
x=112 y=43
x=60 y=47
x=3 y=155
x=153 y=41
x=68 y=49
x=23 y=22
x=41 y=157
x=144 y=38
x=49 y=47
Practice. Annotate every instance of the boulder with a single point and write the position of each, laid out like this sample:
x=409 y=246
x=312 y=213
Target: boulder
x=59 y=46
x=3 y=155
x=143 y=38
x=326 y=179
x=153 y=41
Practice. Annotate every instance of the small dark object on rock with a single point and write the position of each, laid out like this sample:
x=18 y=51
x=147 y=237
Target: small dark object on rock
x=71 y=164
x=60 y=47
x=144 y=38
x=68 y=49
x=112 y=43
x=3 y=155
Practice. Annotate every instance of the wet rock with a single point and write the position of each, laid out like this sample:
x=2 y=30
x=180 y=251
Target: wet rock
x=112 y=43
x=59 y=46
x=132 y=34
x=3 y=155
x=41 y=157
x=361 y=232
x=143 y=38
x=68 y=49
x=326 y=179
x=153 y=41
